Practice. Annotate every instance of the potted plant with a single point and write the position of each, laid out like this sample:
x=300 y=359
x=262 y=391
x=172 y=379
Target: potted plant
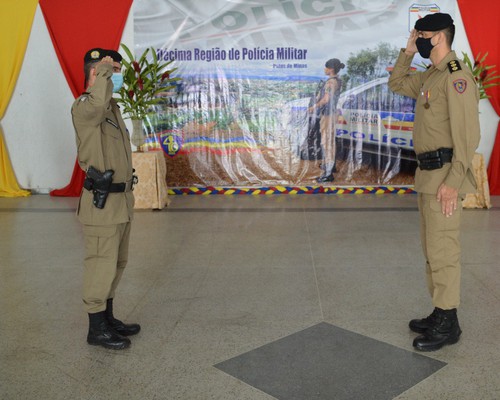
x=143 y=80
x=482 y=73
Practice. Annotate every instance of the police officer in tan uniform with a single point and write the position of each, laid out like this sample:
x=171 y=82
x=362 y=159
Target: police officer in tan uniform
x=106 y=203
x=446 y=135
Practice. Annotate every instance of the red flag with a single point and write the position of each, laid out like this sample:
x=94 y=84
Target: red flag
x=75 y=27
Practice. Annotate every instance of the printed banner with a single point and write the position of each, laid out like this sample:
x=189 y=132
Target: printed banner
x=287 y=92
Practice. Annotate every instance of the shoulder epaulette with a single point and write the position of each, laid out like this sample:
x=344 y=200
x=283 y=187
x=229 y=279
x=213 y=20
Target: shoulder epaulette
x=454 y=66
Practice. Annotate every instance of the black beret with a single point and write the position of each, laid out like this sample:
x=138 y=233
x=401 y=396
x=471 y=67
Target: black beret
x=434 y=22
x=117 y=57
x=97 y=54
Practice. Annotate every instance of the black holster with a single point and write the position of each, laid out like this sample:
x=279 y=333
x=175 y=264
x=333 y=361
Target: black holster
x=99 y=183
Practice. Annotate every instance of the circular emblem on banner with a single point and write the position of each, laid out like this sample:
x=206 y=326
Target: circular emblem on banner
x=417 y=11
x=171 y=144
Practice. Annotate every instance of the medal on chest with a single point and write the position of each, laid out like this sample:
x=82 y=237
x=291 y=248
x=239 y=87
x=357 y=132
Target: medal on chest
x=427 y=95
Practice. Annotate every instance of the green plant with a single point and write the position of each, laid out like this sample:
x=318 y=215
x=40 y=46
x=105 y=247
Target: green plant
x=143 y=81
x=482 y=73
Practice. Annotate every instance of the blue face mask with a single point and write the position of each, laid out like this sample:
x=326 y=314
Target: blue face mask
x=117 y=80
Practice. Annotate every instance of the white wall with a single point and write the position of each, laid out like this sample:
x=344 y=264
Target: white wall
x=38 y=129
x=37 y=125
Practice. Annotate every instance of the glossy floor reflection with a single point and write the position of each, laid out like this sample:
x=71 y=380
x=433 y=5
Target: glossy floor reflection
x=212 y=279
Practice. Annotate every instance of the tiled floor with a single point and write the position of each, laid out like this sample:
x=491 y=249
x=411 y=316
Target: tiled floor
x=247 y=297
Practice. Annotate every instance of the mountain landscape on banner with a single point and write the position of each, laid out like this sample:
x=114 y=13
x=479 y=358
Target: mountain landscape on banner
x=249 y=72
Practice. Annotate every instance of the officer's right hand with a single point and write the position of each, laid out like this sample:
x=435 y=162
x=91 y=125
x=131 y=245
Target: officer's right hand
x=411 y=47
x=448 y=197
x=106 y=60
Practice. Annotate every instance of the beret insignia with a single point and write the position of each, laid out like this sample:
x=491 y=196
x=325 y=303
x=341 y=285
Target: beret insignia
x=460 y=85
x=95 y=54
x=454 y=66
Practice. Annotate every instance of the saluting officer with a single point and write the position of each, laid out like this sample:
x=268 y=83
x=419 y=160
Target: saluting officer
x=445 y=136
x=106 y=202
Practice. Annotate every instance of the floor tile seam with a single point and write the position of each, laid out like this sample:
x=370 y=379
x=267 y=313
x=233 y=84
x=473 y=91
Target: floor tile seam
x=313 y=265
x=484 y=285
x=142 y=299
x=290 y=209
x=435 y=356
x=366 y=265
x=433 y=376
x=188 y=307
x=242 y=382
x=476 y=264
x=242 y=210
x=402 y=394
x=36 y=210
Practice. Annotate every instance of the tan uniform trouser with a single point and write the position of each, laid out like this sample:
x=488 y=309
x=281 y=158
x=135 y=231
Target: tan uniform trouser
x=106 y=256
x=326 y=127
x=441 y=246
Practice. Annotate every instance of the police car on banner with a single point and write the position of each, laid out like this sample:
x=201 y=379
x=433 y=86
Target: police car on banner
x=372 y=122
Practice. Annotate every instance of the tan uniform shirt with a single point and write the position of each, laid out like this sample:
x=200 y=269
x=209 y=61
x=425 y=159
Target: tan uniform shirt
x=451 y=119
x=103 y=142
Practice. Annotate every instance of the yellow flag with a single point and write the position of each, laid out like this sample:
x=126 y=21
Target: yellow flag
x=16 y=19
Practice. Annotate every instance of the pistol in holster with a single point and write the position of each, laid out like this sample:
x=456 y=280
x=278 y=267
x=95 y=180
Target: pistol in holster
x=99 y=183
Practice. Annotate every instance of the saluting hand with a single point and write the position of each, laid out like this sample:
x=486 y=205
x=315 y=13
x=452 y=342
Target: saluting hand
x=411 y=47
x=448 y=197
x=106 y=60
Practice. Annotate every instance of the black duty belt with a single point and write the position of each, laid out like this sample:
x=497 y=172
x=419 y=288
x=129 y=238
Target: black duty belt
x=113 y=188
x=434 y=159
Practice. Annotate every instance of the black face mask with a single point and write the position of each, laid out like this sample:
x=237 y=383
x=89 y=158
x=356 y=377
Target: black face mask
x=424 y=47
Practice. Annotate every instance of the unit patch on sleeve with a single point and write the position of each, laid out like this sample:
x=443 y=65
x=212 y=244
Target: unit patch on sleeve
x=460 y=85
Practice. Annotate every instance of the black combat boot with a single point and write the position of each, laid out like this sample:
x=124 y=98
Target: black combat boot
x=101 y=334
x=120 y=327
x=444 y=330
x=421 y=325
